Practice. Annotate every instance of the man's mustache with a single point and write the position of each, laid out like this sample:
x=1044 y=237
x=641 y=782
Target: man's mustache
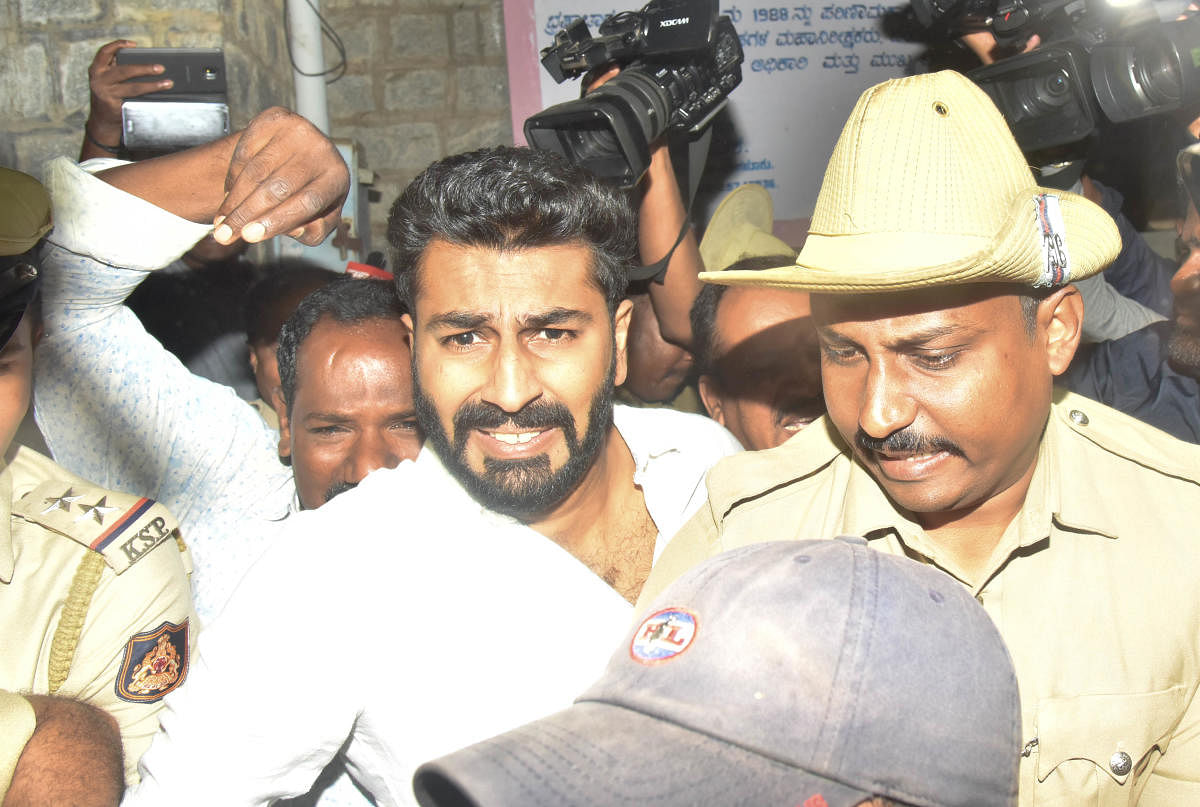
x=1187 y=303
x=535 y=415
x=905 y=441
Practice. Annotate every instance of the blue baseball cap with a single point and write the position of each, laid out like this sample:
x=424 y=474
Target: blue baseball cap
x=798 y=673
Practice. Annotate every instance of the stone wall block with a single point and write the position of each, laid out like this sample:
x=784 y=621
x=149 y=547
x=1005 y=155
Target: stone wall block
x=352 y=4
x=33 y=150
x=191 y=38
x=418 y=39
x=214 y=6
x=406 y=147
x=25 y=87
x=74 y=61
x=491 y=19
x=466 y=37
x=415 y=89
x=58 y=11
x=361 y=40
x=350 y=96
x=481 y=89
x=490 y=133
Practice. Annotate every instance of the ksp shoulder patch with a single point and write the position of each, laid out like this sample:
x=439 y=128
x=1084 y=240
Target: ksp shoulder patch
x=663 y=636
x=155 y=663
x=120 y=526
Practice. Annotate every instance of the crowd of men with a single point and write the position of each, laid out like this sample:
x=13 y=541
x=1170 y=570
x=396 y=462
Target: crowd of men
x=895 y=562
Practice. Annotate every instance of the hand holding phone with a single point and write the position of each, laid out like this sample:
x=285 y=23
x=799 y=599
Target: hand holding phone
x=110 y=84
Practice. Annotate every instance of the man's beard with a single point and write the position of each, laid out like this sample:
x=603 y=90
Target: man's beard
x=1183 y=343
x=521 y=488
x=1183 y=351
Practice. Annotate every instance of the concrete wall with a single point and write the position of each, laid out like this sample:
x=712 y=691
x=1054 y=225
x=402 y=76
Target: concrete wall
x=425 y=78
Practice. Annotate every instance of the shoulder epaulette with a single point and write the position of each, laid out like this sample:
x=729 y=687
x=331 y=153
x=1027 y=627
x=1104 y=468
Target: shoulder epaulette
x=120 y=526
x=1125 y=436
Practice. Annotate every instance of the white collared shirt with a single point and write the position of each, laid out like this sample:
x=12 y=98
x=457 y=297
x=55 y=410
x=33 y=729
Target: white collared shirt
x=401 y=621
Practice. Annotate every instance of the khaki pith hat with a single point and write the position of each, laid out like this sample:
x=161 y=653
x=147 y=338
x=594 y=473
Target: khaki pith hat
x=926 y=187
x=741 y=228
x=24 y=212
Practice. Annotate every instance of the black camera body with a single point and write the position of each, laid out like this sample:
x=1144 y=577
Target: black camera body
x=680 y=60
x=1091 y=68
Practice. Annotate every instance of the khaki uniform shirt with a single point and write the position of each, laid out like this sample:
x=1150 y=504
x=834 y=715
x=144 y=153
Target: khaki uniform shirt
x=127 y=644
x=1095 y=587
x=17 y=724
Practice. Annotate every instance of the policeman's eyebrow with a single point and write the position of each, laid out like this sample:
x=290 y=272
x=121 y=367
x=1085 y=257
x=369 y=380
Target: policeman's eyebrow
x=910 y=341
x=922 y=338
x=829 y=334
x=555 y=316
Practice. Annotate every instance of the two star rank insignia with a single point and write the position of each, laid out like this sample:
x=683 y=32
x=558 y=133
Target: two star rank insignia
x=63 y=502
x=121 y=527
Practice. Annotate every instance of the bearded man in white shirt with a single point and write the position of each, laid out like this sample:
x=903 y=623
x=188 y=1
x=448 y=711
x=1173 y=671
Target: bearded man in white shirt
x=480 y=586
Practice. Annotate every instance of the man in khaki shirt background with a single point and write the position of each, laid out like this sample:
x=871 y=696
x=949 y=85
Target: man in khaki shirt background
x=95 y=603
x=941 y=275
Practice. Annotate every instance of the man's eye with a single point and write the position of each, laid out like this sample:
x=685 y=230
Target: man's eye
x=327 y=430
x=936 y=361
x=407 y=425
x=839 y=355
x=555 y=334
x=462 y=339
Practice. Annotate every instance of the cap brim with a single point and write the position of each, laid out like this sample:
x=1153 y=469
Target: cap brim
x=897 y=261
x=600 y=754
x=740 y=227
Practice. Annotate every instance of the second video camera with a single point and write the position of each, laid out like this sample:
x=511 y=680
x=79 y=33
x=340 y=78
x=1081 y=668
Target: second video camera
x=1101 y=58
x=680 y=60
x=1053 y=95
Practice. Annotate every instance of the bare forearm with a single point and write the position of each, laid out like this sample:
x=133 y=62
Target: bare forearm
x=280 y=175
x=660 y=219
x=73 y=759
x=190 y=184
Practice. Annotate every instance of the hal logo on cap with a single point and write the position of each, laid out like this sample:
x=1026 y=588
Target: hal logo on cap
x=663 y=635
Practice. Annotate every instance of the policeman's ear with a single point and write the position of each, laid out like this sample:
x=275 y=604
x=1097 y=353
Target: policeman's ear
x=1060 y=319
x=285 y=425
x=710 y=397
x=621 y=320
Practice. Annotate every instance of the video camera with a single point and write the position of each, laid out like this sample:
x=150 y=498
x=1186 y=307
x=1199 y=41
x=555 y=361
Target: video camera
x=679 y=60
x=1091 y=65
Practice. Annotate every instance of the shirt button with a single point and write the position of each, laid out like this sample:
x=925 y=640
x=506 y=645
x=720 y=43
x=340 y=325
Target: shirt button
x=1078 y=418
x=1120 y=763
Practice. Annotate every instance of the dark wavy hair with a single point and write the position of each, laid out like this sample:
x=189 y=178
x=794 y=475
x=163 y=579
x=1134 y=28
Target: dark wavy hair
x=508 y=198
x=347 y=300
x=273 y=298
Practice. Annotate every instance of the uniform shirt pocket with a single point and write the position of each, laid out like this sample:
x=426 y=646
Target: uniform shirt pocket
x=1097 y=749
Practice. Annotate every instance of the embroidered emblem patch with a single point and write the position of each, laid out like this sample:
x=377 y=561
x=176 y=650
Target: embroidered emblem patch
x=663 y=635
x=1056 y=261
x=155 y=663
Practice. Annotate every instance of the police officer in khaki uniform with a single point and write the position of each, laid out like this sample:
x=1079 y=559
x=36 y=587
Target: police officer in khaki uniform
x=95 y=603
x=940 y=277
